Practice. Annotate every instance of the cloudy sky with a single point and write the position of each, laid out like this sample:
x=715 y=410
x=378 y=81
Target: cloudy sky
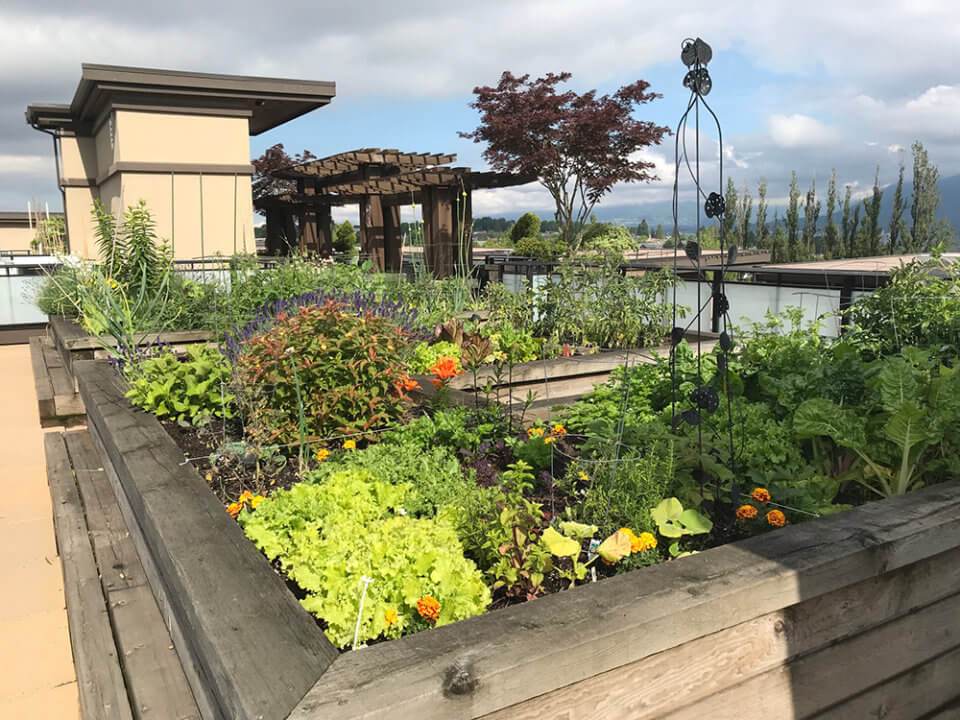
x=798 y=86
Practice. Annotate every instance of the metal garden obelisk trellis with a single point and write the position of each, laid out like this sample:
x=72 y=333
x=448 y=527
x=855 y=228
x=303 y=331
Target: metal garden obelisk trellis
x=699 y=406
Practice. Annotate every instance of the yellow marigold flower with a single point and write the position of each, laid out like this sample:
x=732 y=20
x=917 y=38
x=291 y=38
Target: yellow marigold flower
x=391 y=617
x=535 y=432
x=245 y=496
x=629 y=533
x=761 y=495
x=234 y=509
x=583 y=476
x=643 y=542
x=256 y=500
x=559 y=429
x=322 y=454
x=746 y=512
x=548 y=440
x=350 y=445
x=428 y=607
x=776 y=518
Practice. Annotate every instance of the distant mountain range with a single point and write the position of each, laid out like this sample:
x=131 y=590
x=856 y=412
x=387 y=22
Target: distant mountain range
x=661 y=213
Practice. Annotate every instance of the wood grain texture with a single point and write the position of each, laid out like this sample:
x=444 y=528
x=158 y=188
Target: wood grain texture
x=663 y=682
x=41 y=382
x=252 y=643
x=100 y=681
x=919 y=691
x=815 y=682
x=520 y=652
x=155 y=681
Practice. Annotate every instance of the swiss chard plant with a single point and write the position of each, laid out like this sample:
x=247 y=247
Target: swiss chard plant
x=914 y=408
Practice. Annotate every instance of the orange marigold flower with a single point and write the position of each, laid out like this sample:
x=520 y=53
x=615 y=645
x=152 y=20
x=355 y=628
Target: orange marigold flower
x=446 y=367
x=559 y=429
x=234 y=509
x=349 y=444
x=535 y=431
x=746 y=512
x=322 y=454
x=761 y=495
x=428 y=607
x=643 y=542
x=391 y=617
x=776 y=518
x=245 y=496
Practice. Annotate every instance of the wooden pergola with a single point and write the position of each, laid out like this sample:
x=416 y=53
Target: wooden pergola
x=380 y=181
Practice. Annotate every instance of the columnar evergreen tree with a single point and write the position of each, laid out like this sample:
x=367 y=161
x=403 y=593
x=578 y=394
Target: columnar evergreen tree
x=811 y=213
x=658 y=233
x=851 y=243
x=728 y=223
x=793 y=222
x=871 y=231
x=643 y=230
x=779 y=243
x=926 y=198
x=897 y=225
x=761 y=234
x=830 y=237
x=844 y=249
x=744 y=212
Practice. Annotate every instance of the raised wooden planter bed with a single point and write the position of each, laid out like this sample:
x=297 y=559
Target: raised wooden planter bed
x=57 y=400
x=849 y=616
x=562 y=381
x=74 y=343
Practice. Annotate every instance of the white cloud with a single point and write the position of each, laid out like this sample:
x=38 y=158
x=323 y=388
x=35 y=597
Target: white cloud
x=895 y=148
x=801 y=131
x=32 y=165
x=929 y=116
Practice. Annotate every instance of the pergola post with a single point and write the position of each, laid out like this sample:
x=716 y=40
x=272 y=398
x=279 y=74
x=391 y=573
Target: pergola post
x=371 y=230
x=308 y=221
x=274 y=241
x=439 y=238
x=325 y=230
x=392 y=242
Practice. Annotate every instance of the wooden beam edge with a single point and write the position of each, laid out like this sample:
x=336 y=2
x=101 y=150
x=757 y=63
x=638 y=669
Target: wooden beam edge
x=631 y=616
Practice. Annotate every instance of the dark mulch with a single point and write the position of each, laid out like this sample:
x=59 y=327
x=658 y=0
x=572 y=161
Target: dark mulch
x=229 y=465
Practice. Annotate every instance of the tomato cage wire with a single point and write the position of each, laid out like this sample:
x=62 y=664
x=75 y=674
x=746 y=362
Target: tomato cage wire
x=705 y=399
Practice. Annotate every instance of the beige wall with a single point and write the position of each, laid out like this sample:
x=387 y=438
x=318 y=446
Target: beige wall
x=173 y=138
x=15 y=238
x=78 y=205
x=105 y=141
x=181 y=200
x=164 y=139
x=78 y=158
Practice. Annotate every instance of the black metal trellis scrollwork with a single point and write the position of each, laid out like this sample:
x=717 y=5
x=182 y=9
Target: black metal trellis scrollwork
x=707 y=398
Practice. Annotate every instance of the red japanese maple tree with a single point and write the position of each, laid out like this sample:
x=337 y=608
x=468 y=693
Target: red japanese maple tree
x=273 y=159
x=578 y=146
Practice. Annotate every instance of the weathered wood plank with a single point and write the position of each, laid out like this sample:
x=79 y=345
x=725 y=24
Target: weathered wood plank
x=155 y=681
x=499 y=661
x=651 y=687
x=99 y=679
x=116 y=555
x=171 y=337
x=817 y=681
x=41 y=382
x=908 y=696
x=196 y=674
x=257 y=649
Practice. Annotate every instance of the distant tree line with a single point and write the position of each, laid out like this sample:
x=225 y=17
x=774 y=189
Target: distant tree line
x=803 y=235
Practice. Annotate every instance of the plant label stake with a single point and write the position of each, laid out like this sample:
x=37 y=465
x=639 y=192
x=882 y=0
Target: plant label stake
x=356 y=632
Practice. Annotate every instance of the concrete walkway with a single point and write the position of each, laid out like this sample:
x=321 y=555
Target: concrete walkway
x=37 y=679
